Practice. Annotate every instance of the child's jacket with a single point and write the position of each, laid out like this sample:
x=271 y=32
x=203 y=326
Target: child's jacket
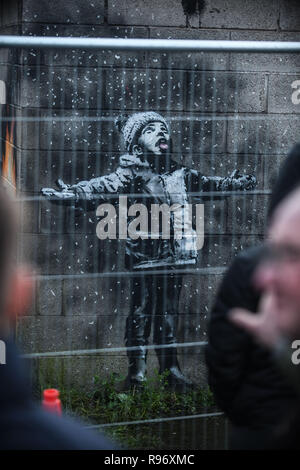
x=142 y=185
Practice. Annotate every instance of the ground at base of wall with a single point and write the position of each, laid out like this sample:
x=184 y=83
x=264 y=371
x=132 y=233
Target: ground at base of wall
x=107 y=403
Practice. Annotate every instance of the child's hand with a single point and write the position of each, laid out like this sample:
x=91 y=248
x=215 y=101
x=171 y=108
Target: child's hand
x=246 y=181
x=60 y=183
x=53 y=194
x=49 y=192
x=252 y=182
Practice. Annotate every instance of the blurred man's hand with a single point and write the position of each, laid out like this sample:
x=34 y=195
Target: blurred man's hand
x=264 y=325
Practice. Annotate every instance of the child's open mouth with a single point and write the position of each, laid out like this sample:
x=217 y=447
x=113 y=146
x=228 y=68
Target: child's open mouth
x=162 y=144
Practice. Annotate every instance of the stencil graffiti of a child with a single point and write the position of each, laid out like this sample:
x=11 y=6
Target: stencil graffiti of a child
x=147 y=169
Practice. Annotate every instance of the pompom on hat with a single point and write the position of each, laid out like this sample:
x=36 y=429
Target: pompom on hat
x=129 y=126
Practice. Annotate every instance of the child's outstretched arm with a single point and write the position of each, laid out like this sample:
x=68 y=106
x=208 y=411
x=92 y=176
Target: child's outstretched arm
x=88 y=190
x=234 y=182
x=62 y=194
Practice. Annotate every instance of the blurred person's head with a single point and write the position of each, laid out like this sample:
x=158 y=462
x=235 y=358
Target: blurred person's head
x=278 y=276
x=267 y=277
x=16 y=284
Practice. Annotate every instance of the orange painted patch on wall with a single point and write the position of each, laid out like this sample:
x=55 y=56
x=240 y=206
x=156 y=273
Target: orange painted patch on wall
x=9 y=171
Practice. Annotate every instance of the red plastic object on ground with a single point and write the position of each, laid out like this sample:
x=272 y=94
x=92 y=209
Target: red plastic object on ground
x=51 y=401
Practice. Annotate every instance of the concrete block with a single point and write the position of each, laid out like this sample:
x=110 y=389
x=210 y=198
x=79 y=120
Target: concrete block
x=64 y=88
x=191 y=328
x=56 y=333
x=193 y=21
x=10 y=75
x=239 y=15
x=10 y=13
x=272 y=135
x=194 y=368
x=248 y=214
x=137 y=12
x=81 y=218
x=195 y=135
x=284 y=94
x=106 y=297
x=215 y=213
x=226 y=92
x=71 y=254
x=84 y=87
x=272 y=165
x=289 y=15
x=42 y=169
x=28 y=213
x=54 y=218
x=76 y=332
x=79 y=372
x=86 y=130
x=220 y=250
x=264 y=62
x=144 y=90
x=49 y=297
x=85 y=58
x=197 y=296
x=9 y=55
x=186 y=60
x=70 y=11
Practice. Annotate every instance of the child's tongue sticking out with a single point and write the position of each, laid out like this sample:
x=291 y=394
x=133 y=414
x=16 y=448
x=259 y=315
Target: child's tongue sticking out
x=163 y=146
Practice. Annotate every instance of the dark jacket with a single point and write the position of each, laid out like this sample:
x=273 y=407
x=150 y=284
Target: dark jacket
x=24 y=425
x=244 y=377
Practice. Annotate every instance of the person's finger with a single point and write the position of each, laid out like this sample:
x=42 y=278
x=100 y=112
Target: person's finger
x=262 y=326
x=267 y=304
x=60 y=183
x=245 y=319
x=235 y=174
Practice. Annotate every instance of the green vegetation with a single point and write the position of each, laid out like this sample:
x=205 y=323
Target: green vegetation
x=107 y=403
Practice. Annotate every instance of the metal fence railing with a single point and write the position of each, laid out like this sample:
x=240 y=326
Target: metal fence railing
x=109 y=303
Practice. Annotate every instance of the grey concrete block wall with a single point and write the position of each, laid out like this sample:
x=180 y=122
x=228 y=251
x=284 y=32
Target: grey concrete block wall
x=226 y=111
x=10 y=13
x=274 y=134
x=96 y=132
x=154 y=13
x=66 y=373
x=98 y=330
x=258 y=14
x=223 y=92
x=136 y=90
x=265 y=62
x=284 y=94
x=67 y=12
x=289 y=15
x=80 y=57
x=189 y=61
